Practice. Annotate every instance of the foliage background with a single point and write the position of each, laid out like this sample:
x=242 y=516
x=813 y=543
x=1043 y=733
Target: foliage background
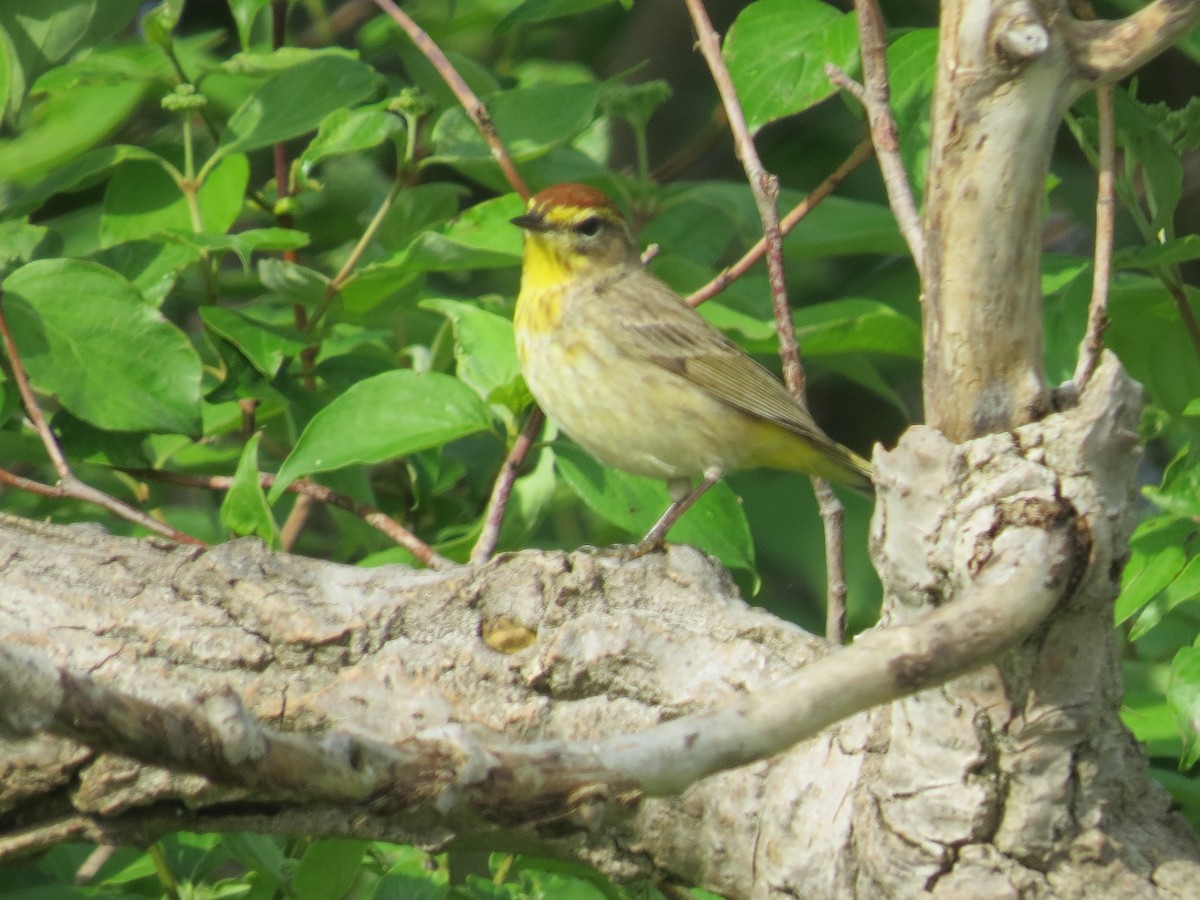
x=178 y=312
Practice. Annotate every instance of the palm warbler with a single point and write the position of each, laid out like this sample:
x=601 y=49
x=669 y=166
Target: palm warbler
x=636 y=376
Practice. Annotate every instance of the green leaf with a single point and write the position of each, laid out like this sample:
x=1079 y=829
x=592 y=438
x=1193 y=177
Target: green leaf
x=245 y=510
x=350 y=131
x=67 y=124
x=259 y=853
x=531 y=11
x=1059 y=271
x=530 y=121
x=142 y=200
x=1183 y=693
x=37 y=35
x=295 y=100
x=485 y=352
x=244 y=14
x=293 y=282
x=421 y=208
x=1179 y=492
x=12 y=82
x=1159 y=163
x=108 y=65
x=260 y=65
x=1146 y=334
x=480 y=238
x=242 y=244
x=777 y=51
x=86 y=335
x=1168 y=253
x=264 y=344
x=1156 y=557
x=856 y=326
x=158 y=24
x=840 y=226
x=381 y=418
x=912 y=65
x=1186 y=586
x=152 y=266
x=77 y=175
x=328 y=869
x=859 y=369
x=18 y=240
x=716 y=524
x=414 y=875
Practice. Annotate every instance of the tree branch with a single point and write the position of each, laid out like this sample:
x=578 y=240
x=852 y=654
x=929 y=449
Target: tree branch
x=474 y=107
x=874 y=94
x=314 y=698
x=1107 y=51
x=859 y=155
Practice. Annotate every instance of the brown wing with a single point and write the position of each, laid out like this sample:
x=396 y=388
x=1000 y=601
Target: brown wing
x=663 y=329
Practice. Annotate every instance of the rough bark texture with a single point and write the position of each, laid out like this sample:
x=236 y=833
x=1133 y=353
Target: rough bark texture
x=1007 y=71
x=1015 y=780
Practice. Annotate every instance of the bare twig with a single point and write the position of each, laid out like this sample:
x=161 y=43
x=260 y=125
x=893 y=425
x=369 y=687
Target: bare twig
x=94 y=862
x=302 y=486
x=502 y=489
x=71 y=488
x=832 y=514
x=296 y=519
x=471 y=103
x=764 y=187
x=1186 y=315
x=874 y=94
x=29 y=401
x=1097 y=321
x=726 y=277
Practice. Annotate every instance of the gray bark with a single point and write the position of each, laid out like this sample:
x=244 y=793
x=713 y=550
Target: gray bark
x=150 y=688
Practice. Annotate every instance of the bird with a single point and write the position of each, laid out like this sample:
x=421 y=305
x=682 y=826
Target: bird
x=638 y=378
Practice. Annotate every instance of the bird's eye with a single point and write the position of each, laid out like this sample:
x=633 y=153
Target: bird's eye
x=589 y=227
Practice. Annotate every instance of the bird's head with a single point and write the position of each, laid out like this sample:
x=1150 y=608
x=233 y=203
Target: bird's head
x=573 y=230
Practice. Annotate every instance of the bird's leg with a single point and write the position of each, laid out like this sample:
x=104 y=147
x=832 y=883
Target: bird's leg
x=683 y=497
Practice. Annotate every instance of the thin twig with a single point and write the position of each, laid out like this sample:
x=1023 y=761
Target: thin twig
x=832 y=514
x=29 y=401
x=765 y=188
x=726 y=277
x=296 y=519
x=1186 y=314
x=94 y=862
x=502 y=489
x=470 y=102
x=335 y=285
x=1097 y=321
x=302 y=486
x=71 y=488
x=679 y=162
x=874 y=94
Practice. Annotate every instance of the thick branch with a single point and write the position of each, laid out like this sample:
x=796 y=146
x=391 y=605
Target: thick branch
x=1007 y=70
x=1002 y=86
x=521 y=704
x=1107 y=51
x=218 y=739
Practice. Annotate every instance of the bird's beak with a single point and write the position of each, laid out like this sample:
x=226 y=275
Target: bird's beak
x=531 y=222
